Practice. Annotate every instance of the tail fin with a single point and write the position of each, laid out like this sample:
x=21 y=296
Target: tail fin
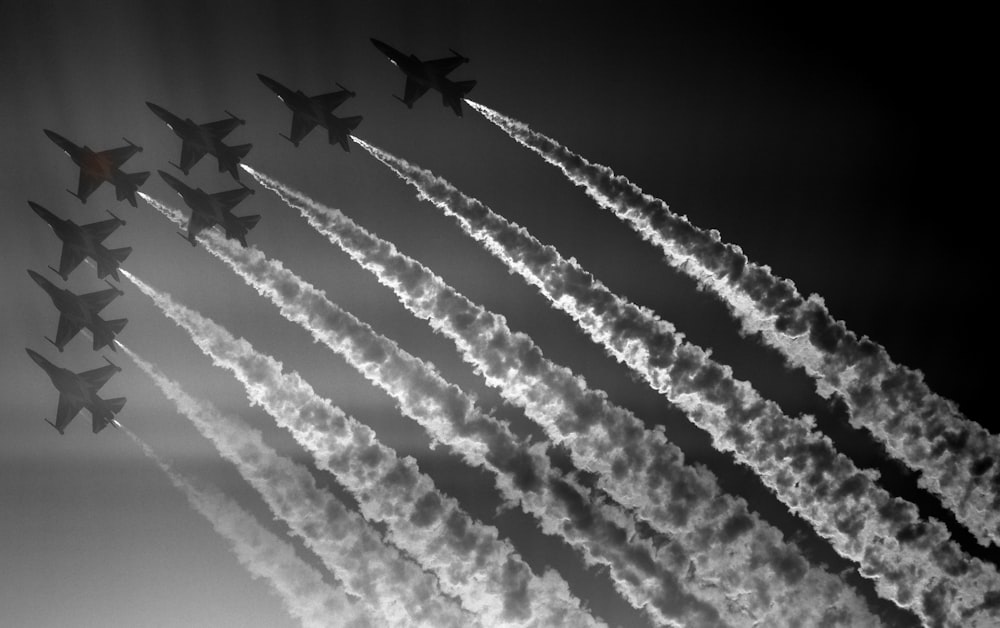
x=133 y=181
x=352 y=122
x=105 y=268
x=248 y=222
x=106 y=335
x=464 y=87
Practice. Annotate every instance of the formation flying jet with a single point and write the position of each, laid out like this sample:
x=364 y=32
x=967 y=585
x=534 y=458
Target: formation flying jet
x=78 y=391
x=96 y=168
x=308 y=111
x=424 y=75
x=78 y=311
x=83 y=241
x=201 y=139
x=213 y=209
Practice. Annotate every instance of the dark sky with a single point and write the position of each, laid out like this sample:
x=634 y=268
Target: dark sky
x=841 y=147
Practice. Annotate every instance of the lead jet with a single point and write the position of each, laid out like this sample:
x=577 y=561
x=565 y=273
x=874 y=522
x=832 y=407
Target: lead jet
x=308 y=111
x=424 y=75
x=201 y=139
x=79 y=311
x=83 y=241
x=96 y=168
x=78 y=391
x=213 y=209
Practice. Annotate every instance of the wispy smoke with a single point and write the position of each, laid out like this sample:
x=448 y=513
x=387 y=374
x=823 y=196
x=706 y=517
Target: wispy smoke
x=914 y=562
x=603 y=532
x=957 y=458
x=301 y=588
x=390 y=587
x=471 y=562
x=720 y=551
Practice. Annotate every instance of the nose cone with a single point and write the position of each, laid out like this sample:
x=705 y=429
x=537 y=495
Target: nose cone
x=42 y=281
x=172 y=181
x=39 y=360
x=270 y=82
x=158 y=110
x=46 y=215
x=385 y=48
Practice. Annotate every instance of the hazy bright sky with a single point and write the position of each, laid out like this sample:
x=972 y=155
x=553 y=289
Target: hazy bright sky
x=836 y=146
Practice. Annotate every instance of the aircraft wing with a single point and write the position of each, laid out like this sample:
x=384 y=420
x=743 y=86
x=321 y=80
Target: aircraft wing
x=70 y=259
x=66 y=412
x=118 y=156
x=67 y=329
x=300 y=127
x=331 y=101
x=190 y=155
x=221 y=128
x=413 y=91
x=99 y=231
x=97 y=301
x=231 y=198
x=87 y=185
x=98 y=377
x=443 y=67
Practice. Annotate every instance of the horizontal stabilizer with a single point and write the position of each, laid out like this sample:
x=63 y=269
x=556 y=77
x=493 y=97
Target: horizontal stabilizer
x=137 y=178
x=115 y=405
x=121 y=254
x=352 y=122
x=241 y=150
x=248 y=222
x=464 y=87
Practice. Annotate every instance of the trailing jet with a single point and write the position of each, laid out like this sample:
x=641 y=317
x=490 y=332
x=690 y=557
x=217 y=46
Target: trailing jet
x=79 y=311
x=83 y=241
x=213 y=209
x=96 y=168
x=78 y=391
x=424 y=75
x=308 y=111
x=200 y=139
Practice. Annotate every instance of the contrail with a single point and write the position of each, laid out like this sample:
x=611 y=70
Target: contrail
x=300 y=587
x=722 y=552
x=392 y=589
x=471 y=562
x=914 y=563
x=602 y=532
x=956 y=457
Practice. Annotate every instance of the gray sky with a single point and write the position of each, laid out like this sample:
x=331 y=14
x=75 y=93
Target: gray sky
x=834 y=147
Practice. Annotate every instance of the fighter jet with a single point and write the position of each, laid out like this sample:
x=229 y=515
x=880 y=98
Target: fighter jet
x=81 y=242
x=78 y=391
x=96 y=168
x=199 y=139
x=213 y=209
x=79 y=311
x=424 y=75
x=308 y=111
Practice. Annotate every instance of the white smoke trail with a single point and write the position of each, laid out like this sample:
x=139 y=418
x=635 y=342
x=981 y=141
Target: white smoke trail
x=914 y=562
x=722 y=552
x=471 y=562
x=391 y=588
x=957 y=458
x=300 y=587
x=523 y=472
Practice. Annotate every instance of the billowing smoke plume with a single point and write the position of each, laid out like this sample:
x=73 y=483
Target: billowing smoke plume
x=391 y=588
x=957 y=458
x=471 y=562
x=300 y=587
x=719 y=550
x=914 y=562
x=603 y=532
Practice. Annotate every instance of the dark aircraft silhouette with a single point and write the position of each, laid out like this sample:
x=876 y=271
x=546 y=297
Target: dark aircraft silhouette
x=213 y=209
x=81 y=242
x=79 y=311
x=78 y=391
x=308 y=111
x=200 y=139
x=96 y=168
x=424 y=75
